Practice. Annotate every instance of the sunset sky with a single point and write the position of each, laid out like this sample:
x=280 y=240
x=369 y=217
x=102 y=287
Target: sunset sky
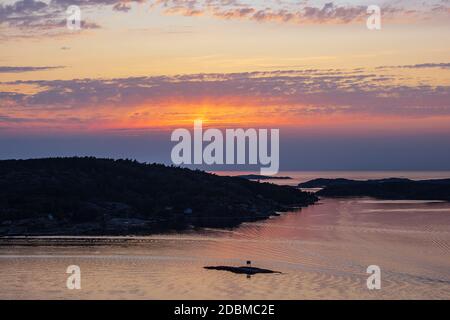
x=343 y=96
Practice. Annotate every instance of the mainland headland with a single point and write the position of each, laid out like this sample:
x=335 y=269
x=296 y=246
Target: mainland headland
x=391 y=189
x=95 y=197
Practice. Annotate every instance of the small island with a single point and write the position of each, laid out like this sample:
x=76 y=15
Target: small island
x=391 y=188
x=242 y=270
x=91 y=196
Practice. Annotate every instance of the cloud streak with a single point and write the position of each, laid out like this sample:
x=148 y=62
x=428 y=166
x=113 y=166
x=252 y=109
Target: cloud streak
x=28 y=18
x=328 y=13
x=301 y=12
x=287 y=94
x=8 y=69
x=420 y=66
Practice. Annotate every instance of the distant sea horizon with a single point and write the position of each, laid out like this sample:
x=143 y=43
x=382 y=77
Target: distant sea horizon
x=305 y=175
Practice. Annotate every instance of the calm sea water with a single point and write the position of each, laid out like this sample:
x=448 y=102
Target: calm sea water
x=323 y=251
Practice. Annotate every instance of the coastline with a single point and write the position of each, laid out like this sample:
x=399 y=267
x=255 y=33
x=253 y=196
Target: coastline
x=90 y=196
x=245 y=201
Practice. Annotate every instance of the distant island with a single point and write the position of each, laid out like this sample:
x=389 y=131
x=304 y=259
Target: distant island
x=261 y=177
x=90 y=196
x=392 y=188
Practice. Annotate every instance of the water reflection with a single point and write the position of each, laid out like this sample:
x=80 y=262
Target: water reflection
x=322 y=251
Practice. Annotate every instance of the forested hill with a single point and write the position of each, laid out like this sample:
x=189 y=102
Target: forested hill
x=104 y=196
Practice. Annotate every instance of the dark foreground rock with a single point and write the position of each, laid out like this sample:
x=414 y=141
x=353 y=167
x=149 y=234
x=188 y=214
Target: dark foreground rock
x=392 y=188
x=89 y=196
x=242 y=270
